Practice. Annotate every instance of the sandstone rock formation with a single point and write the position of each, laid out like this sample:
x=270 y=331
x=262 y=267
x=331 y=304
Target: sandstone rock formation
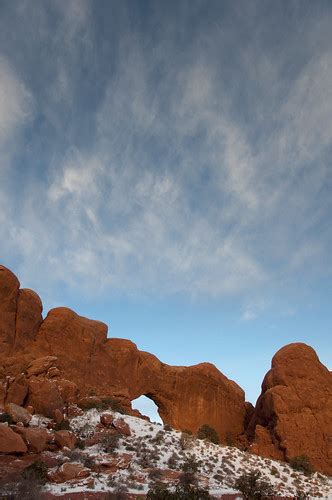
x=49 y=360
x=293 y=415
x=50 y=364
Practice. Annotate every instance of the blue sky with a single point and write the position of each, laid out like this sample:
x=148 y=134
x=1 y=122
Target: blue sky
x=166 y=167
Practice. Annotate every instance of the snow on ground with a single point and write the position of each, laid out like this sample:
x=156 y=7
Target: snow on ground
x=152 y=447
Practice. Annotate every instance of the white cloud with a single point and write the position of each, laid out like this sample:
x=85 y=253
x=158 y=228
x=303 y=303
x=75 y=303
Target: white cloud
x=15 y=102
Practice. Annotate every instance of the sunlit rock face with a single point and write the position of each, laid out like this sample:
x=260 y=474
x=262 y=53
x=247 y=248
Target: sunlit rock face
x=187 y=397
x=293 y=415
x=49 y=364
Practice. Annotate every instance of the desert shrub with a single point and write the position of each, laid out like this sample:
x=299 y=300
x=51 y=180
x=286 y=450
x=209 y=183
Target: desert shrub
x=5 y=418
x=209 y=433
x=301 y=463
x=186 y=441
x=88 y=461
x=73 y=455
x=159 y=437
x=301 y=495
x=253 y=487
x=172 y=461
x=27 y=489
x=62 y=426
x=37 y=471
x=229 y=439
x=80 y=444
x=155 y=475
x=109 y=443
x=274 y=471
x=144 y=460
x=190 y=465
x=182 y=492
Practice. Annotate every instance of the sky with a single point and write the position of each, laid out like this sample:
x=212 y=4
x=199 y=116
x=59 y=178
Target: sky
x=165 y=167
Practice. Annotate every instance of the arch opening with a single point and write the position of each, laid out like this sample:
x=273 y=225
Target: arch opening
x=146 y=406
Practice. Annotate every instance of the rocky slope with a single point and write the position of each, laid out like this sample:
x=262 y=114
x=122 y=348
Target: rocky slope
x=50 y=364
x=106 y=452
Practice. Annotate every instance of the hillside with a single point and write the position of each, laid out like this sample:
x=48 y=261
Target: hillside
x=128 y=455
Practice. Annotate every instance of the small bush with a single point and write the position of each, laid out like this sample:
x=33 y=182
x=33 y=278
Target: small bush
x=190 y=465
x=172 y=461
x=186 y=441
x=6 y=418
x=182 y=492
x=109 y=443
x=159 y=437
x=301 y=463
x=62 y=426
x=252 y=486
x=80 y=444
x=209 y=433
x=37 y=471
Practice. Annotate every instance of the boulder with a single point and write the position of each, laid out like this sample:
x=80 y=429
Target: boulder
x=65 y=439
x=41 y=365
x=58 y=416
x=295 y=408
x=67 y=472
x=121 y=426
x=10 y=441
x=18 y=413
x=17 y=390
x=106 y=419
x=36 y=439
x=44 y=396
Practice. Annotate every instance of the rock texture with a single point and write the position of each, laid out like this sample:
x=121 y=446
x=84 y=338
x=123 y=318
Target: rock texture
x=51 y=364
x=293 y=415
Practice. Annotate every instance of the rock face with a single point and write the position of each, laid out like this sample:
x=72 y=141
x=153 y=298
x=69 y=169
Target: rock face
x=52 y=364
x=293 y=415
x=10 y=442
x=66 y=351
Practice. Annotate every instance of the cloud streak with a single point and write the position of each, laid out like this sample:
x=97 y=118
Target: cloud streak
x=187 y=184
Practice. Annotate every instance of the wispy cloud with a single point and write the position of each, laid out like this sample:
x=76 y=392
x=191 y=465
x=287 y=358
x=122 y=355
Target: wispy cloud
x=204 y=173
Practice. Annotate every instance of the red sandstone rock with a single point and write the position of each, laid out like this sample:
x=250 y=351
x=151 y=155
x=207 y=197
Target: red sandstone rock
x=121 y=426
x=18 y=413
x=58 y=416
x=53 y=372
x=28 y=318
x=295 y=405
x=44 y=396
x=112 y=464
x=68 y=390
x=9 y=286
x=36 y=439
x=106 y=419
x=67 y=472
x=295 y=408
x=17 y=390
x=10 y=441
x=41 y=365
x=65 y=439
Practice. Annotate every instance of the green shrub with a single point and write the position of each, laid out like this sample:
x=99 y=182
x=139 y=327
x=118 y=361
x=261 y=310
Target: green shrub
x=109 y=443
x=6 y=418
x=182 y=492
x=64 y=425
x=209 y=433
x=301 y=463
x=37 y=471
x=253 y=487
x=190 y=465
